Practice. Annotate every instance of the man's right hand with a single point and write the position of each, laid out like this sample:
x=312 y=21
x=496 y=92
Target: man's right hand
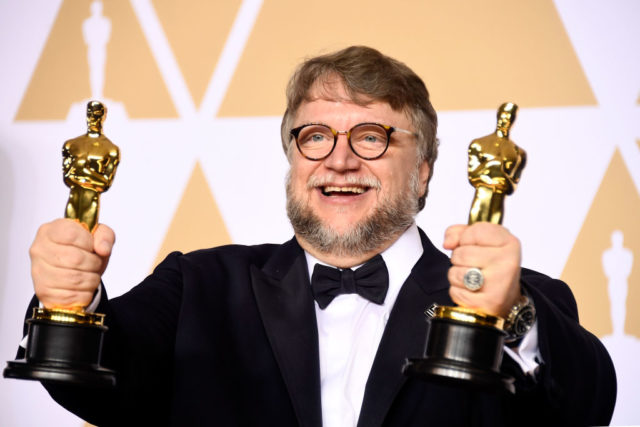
x=67 y=262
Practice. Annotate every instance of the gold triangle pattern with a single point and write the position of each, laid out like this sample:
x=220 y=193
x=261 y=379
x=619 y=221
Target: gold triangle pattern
x=132 y=75
x=616 y=206
x=197 y=31
x=61 y=76
x=519 y=51
x=197 y=222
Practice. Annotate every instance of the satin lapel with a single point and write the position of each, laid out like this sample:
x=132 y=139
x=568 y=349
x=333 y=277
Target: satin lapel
x=284 y=299
x=405 y=333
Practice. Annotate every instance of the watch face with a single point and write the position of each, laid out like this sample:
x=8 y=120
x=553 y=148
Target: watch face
x=524 y=321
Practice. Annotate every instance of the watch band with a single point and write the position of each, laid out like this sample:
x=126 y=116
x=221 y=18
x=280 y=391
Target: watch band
x=520 y=319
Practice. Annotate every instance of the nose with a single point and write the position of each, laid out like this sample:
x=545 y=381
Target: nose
x=342 y=158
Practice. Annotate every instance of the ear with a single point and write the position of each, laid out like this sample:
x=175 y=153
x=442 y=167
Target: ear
x=423 y=173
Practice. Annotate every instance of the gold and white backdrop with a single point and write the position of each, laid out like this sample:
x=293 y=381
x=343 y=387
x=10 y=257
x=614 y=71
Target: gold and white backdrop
x=195 y=91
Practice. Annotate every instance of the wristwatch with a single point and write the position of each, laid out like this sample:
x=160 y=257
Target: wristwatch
x=520 y=319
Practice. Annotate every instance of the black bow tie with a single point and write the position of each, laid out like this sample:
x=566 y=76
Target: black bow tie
x=371 y=281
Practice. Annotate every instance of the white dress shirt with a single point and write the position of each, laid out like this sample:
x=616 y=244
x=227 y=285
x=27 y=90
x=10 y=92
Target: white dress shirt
x=350 y=329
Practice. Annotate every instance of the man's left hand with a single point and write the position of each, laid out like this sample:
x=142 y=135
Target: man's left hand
x=497 y=253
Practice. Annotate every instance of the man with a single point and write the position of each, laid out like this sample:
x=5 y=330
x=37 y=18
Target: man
x=238 y=335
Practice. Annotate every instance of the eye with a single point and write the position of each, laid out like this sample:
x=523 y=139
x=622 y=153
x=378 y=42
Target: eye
x=369 y=134
x=371 y=138
x=317 y=137
x=314 y=135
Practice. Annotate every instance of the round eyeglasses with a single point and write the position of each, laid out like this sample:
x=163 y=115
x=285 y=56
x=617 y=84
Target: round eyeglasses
x=368 y=141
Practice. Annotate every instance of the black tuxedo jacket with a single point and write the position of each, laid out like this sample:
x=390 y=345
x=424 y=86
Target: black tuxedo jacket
x=228 y=336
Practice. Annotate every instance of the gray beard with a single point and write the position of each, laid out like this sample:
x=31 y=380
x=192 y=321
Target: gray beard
x=390 y=218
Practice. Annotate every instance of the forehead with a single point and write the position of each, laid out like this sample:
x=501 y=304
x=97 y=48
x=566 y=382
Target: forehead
x=329 y=102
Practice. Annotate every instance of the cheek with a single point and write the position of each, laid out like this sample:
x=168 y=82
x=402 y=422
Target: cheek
x=299 y=175
x=395 y=180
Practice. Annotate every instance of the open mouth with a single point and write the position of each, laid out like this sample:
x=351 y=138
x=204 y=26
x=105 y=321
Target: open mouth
x=343 y=191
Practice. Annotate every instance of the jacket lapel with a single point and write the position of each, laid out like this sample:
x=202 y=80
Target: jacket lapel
x=284 y=299
x=405 y=332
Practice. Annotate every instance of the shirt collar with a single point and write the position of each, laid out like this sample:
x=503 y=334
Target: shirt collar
x=400 y=258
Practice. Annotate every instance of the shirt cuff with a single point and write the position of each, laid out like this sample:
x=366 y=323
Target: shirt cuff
x=96 y=300
x=527 y=354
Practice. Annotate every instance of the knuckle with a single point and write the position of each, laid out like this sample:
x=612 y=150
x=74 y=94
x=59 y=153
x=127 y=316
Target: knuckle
x=449 y=232
x=460 y=255
x=75 y=278
x=73 y=259
x=459 y=297
x=33 y=251
x=93 y=263
x=67 y=231
x=36 y=273
x=69 y=298
x=453 y=293
x=45 y=295
x=40 y=276
x=452 y=275
x=43 y=230
x=37 y=248
x=454 y=257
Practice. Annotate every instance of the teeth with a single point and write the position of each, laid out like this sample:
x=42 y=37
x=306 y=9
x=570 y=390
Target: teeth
x=357 y=190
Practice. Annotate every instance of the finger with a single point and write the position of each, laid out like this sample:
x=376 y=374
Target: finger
x=64 y=288
x=66 y=231
x=474 y=301
x=483 y=302
x=61 y=298
x=496 y=279
x=456 y=278
x=497 y=295
x=461 y=295
x=485 y=234
x=452 y=236
x=62 y=255
x=476 y=256
x=72 y=257
x=103 y=240
x=483 y=299
x=48 y=278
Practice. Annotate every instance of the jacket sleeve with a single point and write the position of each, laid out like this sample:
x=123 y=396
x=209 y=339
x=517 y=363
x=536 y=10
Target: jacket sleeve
x=576 y=382
x=139 y=346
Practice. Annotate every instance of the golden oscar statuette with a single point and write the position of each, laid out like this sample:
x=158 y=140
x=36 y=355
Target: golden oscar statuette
x=465 y=346
x=65 y=344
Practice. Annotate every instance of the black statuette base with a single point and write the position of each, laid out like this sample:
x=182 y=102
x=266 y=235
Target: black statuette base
x=462 y=353
x=63 y=352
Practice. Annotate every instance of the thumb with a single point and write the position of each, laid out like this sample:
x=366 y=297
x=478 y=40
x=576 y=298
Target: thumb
x=103 y=240
x=452 y=236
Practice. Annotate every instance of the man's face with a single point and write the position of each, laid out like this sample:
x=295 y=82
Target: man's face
x=368 y=203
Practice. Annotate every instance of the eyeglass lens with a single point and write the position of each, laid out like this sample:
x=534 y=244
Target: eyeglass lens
x=367 y=140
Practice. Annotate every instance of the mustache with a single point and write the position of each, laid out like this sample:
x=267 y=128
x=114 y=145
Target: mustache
x=331 y=178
